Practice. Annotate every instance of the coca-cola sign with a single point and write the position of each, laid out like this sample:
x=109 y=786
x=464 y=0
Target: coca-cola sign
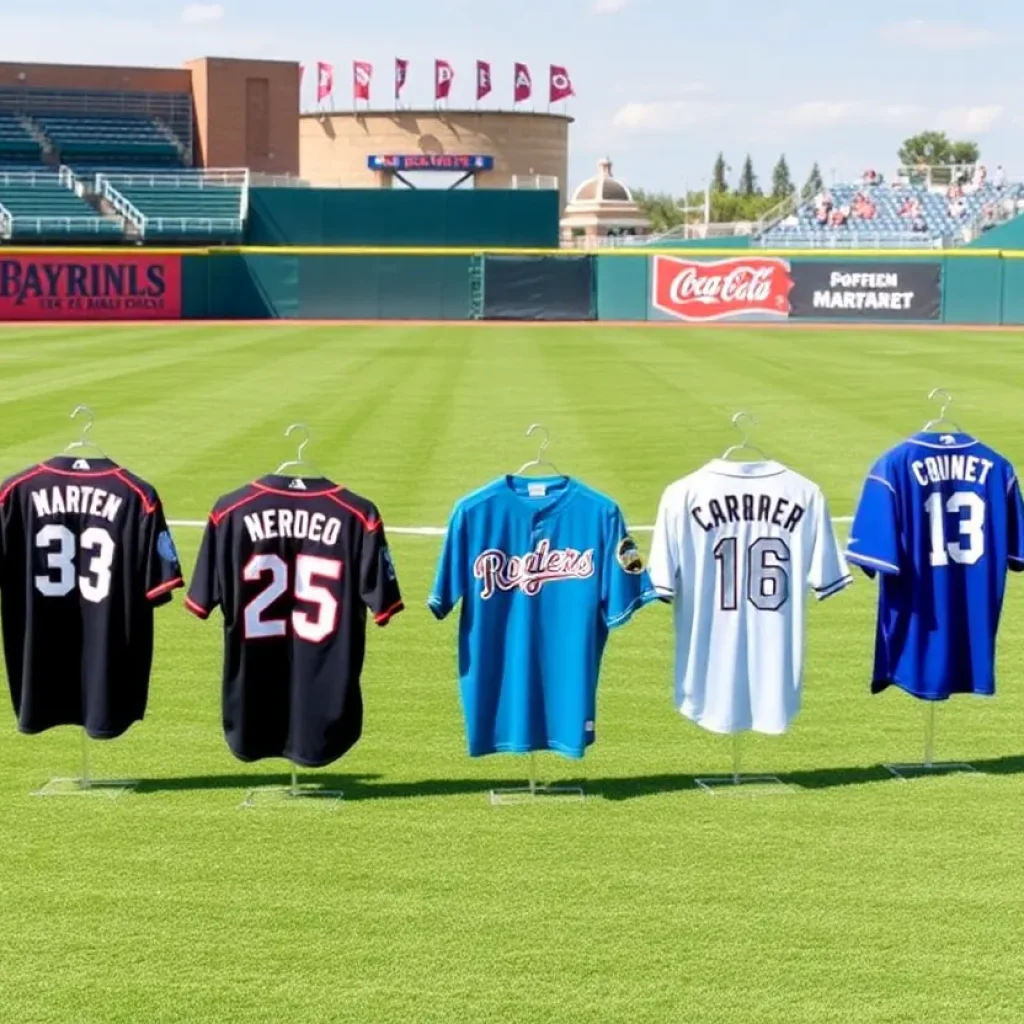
x=748 y=286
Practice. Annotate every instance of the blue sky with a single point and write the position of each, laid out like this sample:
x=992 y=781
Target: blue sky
x=662 y=85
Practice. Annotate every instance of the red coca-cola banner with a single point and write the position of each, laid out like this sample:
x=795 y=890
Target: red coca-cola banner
x=65 y=286
x=749 y=286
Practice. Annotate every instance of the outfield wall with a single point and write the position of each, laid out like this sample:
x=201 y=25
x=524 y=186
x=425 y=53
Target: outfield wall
x=963 y=286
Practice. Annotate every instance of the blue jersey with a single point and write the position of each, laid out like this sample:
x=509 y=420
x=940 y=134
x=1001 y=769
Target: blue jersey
x=544 y=568
x=941 y=520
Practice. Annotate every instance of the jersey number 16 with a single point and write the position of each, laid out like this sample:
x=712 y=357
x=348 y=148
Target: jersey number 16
x=766 y=572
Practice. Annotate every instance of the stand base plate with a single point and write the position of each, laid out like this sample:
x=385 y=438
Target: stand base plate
x=744 y=785
x=528 y=794
x=263 y=795
x=906 y=772
x=109 y=789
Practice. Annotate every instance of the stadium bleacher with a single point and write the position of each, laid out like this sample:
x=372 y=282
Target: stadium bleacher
x=188 y=206
x=121 y=140
x=41 y=205
x=16 y=141
x=904 y=215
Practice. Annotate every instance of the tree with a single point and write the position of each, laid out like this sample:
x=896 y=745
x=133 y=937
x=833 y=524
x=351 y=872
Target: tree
x=782 y=183
x=748 y=180
x=660 y=208
x=814 y=183
x=718 y=182
x=933 y=149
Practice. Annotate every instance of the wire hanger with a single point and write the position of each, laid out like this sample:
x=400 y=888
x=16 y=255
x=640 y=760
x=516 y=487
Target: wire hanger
x=540 y=460
x=83 y=441
x=942 y=417
x=300 y=460
x=737 y=422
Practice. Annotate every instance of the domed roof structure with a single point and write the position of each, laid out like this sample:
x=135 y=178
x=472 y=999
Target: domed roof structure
x=602 y=210
x=603 y=188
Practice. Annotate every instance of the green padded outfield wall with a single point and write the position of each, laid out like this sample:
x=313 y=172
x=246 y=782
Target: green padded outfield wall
x=505 y=218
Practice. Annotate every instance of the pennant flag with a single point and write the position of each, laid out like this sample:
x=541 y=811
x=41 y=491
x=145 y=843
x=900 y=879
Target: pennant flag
x=443 y=75
x=362 y=74
x=401 y=73
x=524 y=84
x=559 y=84
x=324 y=80
x=483 y=78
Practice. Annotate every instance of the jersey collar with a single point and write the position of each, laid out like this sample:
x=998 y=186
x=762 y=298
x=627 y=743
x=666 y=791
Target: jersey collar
x=949 y=441
x=80 y=465
x=296 y=486
x=766 y=467
x=516 y=490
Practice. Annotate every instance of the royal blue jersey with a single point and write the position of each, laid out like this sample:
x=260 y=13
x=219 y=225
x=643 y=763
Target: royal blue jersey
x=940 y=520
x=544 y=568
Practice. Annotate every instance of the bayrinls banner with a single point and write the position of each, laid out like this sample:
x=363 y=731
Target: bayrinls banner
x=67 y=286
x=859 y=290
x=751 y=287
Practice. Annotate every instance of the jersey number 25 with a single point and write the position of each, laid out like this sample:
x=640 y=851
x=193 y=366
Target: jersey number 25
x=308 y=568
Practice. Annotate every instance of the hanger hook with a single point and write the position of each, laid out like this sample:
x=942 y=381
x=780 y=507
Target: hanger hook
x=947 y=400
x=80 y=410
x=532 y=429
x=737 y=422
x=305 y=439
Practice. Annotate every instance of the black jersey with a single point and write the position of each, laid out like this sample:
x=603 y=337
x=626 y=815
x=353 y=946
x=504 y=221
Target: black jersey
x=85 y=555
x=294 y=564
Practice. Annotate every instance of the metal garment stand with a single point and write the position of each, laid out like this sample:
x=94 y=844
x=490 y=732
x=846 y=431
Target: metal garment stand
x=534 y=790
x=85 y=784
x=929 y=766
x=716 y=785
x=293 y=791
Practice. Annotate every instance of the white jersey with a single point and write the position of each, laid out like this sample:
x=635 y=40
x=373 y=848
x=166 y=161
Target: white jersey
x=734 y=545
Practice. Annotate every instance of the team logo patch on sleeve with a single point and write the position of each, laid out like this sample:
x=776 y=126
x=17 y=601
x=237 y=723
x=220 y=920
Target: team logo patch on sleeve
x=165 y=547
x=628 y=555
x=389 y=565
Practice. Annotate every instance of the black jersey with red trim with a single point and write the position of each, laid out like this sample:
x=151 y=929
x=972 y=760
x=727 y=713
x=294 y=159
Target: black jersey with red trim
x=85 y=556
x=294 y=563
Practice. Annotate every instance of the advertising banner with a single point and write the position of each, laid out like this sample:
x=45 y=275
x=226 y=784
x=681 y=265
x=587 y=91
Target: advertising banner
x=744 y=288
x=118 y=285
x=859 y=290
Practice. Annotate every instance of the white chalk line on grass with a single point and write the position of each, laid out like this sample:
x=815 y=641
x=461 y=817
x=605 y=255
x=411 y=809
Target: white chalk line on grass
x=437 y=531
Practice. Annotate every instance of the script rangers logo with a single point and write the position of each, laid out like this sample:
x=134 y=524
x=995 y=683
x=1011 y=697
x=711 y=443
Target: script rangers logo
x=699 y=290
x=500 y=571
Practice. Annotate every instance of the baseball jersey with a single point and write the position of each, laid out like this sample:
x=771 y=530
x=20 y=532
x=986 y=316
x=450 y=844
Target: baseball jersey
x=544 y=568
x=940 y=520
x=85 y=557
x=736 y=546
x=294 y=563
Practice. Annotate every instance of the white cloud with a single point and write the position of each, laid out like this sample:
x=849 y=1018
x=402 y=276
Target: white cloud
x=609 y=6
x=666 y=116
x=823 y=113
x=970 y=120
x=937 y=35
x=201 y=14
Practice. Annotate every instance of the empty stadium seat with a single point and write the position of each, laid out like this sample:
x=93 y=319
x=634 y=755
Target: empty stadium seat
x=41 y=207
x=111 y=139
x=16 y=141
x=189 y=206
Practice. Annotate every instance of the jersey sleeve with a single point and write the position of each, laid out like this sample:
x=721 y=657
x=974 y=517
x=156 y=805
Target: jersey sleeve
x=663 y=565
x=827 y=571
x=1014 y=520
x=874 y=536
x=448 y=586
x=160 y=558
x=204 y=592
x=625 y=583
x=378 y=581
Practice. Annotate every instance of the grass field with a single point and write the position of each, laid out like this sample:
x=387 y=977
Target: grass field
x=857 y=898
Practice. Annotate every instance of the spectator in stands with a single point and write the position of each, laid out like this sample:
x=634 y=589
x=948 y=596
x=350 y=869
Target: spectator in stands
x=910 y=207
x=863 y=207
x=871 y=177
x=840 y=215
x=822 y=208
x=918 y=223
x=955 y=207
x=980 y=176
x=1000 y=177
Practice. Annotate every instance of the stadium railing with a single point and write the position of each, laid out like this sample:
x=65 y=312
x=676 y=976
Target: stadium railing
x=797 y=239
